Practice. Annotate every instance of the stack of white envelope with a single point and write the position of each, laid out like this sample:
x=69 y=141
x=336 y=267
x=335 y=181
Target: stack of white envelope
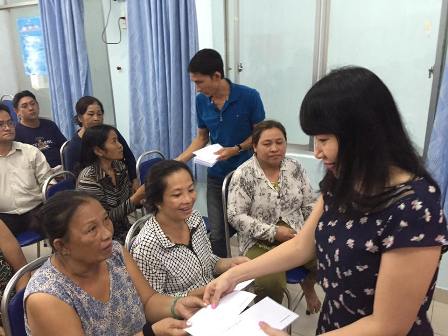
x=206 y=156
x=227 y=320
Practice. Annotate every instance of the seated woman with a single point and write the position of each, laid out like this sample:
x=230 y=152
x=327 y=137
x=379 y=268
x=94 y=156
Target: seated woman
x=90 y=112
x=11 y=259
x=91 y=285
x=172 y=249
x=105 y=176
x=269 y=199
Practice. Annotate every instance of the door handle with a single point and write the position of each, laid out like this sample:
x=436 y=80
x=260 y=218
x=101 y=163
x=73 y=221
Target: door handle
x=430 y=72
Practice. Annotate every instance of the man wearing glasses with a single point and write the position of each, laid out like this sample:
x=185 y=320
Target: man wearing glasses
x=23 y=170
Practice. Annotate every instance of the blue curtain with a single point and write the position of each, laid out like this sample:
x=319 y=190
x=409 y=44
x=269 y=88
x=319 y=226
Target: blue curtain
x=437 y=160
x=162 y=39
x=66 y=51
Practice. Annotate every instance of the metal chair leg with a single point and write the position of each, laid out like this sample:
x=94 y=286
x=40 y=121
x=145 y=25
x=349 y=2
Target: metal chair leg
x=38 y=249
x=289 y=303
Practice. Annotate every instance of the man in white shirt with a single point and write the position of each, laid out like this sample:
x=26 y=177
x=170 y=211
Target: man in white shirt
x=23 y=170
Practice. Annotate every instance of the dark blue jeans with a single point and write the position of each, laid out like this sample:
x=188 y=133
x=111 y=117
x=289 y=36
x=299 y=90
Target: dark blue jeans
x=216 y=216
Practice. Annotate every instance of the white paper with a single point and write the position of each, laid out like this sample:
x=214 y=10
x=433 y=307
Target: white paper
x=243 y=285
x=206 y=156
x=226 y=320
x=222 y=317
x=267 y=310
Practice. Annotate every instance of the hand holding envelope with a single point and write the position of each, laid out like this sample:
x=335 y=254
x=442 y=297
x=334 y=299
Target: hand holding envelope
x=227 y=320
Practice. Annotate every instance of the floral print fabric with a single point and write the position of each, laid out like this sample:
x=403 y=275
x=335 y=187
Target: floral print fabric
x=349 y=250
x=255 y=206
x=122 y=315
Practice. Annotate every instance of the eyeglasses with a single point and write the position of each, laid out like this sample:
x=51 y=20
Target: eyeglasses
x=8 y=123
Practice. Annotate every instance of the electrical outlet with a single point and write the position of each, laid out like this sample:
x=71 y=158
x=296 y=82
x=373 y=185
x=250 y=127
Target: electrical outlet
x=123 y=23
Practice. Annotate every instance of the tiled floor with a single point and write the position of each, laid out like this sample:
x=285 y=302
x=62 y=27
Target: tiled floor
x=306 y=325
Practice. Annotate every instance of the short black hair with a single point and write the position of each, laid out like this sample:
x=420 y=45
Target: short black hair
x=81 y=107
x=265 y=125
x=5 y=108
x=206 y=62
x=55 y=215
x=20 y=95
x=155 y=181
x=353 y=104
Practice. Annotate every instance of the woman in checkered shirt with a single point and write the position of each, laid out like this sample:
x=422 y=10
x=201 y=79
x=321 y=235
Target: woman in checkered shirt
x=172 y=249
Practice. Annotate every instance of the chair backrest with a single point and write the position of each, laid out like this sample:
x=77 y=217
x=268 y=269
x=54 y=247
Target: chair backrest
x=61 y=154
x=133 y=231
x=49 y=188
x=12 y=307
x=144 y=164
x=227 y=229
x=8 y=102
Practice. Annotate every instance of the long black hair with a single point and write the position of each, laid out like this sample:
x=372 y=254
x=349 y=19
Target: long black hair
x=95 y=136
x=353 y=104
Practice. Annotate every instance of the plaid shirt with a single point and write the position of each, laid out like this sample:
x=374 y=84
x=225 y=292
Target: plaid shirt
x=174 y=269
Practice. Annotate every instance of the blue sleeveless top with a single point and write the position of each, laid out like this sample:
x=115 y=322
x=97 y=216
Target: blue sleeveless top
x=123 y=314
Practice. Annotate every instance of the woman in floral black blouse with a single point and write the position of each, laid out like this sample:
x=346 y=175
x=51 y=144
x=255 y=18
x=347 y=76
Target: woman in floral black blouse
x=378 y=226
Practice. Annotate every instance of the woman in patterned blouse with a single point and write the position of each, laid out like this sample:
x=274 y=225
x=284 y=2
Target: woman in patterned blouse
x=11 y=259
x=269 y=199
x=172 y=250
x=378 y=225
x=90 y=285
x=105 y=176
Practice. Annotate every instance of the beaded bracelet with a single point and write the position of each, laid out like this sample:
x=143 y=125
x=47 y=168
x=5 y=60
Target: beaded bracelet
x=173 y=309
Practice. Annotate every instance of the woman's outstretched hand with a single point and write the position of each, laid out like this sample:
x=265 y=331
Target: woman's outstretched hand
x=217 y=288
x=169 y=327
x=268 y=330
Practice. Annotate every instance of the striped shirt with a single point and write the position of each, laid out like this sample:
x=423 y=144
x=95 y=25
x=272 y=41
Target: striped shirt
x=114 y=198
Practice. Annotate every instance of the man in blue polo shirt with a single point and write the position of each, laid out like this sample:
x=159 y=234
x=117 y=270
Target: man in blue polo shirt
x=41 y=133
x=226 y=114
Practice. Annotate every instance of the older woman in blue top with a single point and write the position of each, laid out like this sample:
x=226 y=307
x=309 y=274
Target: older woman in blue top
x=91 y=285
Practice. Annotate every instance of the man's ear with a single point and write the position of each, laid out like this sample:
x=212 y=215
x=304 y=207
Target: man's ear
x=217 y=76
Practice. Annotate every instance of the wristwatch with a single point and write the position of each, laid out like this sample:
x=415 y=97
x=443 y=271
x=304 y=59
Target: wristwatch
x=240 y=148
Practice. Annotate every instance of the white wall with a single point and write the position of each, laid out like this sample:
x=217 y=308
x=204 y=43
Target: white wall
x=118 y=57
x=9 y=83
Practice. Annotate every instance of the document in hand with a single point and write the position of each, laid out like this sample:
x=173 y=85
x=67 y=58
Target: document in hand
x=267 y=310
x=206 y=156
x=226 y=320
